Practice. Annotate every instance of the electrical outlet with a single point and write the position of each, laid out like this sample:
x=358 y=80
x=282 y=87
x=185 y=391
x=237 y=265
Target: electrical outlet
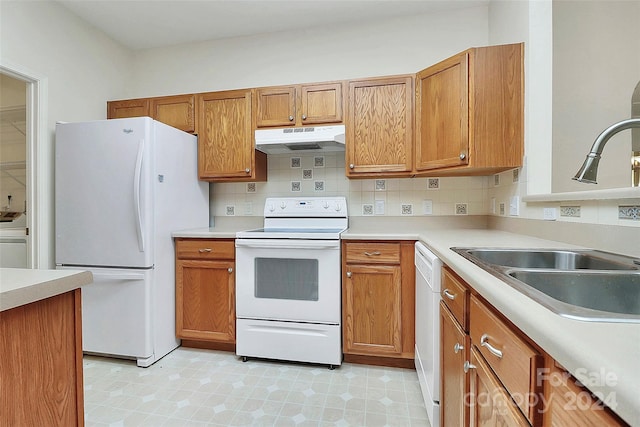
x=379 y=207
x=514 y=206
x=427 y=207
x=248 y=208
x=493 y=205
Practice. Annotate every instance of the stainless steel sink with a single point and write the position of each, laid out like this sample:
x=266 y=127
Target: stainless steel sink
x=604 y=291
x=551 y=259
x=580 y=284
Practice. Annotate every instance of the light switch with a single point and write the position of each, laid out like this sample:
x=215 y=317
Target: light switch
x=379 y=207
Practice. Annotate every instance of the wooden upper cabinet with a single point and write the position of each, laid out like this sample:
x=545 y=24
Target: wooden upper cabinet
x=225 y=138
x=470 y=113
x=299 y=105
x=128 y=108
x=379 y=125
x=177 y=111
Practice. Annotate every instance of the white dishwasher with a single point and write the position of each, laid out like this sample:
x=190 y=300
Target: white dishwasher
x=427 y=351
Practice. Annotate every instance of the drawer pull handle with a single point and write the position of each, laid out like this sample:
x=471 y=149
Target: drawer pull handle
x=376 y=253
x=467 y=365
x=204 y=250
x=447 y=293
x=457 y=348
x=484 y=342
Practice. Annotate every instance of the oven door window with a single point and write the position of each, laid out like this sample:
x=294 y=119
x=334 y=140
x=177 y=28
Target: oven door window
x=286 y=278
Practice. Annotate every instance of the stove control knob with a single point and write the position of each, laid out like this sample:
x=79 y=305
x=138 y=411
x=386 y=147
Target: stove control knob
x=338 y=207
x=283 y=205
x=271 y=207
x=325 y=204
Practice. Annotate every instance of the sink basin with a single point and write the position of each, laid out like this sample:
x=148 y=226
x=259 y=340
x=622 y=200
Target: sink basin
x=580 y=284
x=607 y=292
x=549 y=259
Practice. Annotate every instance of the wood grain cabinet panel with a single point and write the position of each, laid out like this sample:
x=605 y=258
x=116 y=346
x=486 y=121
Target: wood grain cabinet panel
x=178 y=111
x=470 y=113
x=225 y=138
x=41 y=382
x=570 y=404
x=455 y=295
x=491 y=404
x=128 y=108
x=378 y=302
x=379 y=139
x=205 y=291
x=454 y=382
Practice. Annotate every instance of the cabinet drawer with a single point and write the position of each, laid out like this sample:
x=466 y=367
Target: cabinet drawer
x=513 y=360
x=456 y=296
x=373 y=253
x=205 y=249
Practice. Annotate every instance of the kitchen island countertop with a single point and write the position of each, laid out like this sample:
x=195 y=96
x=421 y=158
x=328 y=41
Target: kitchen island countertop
x=21 y=286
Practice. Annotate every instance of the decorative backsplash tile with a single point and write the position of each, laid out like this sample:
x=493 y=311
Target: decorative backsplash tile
x=496 y=180
x=296 y=162
x=570 y=211
x=319 y=186
x=318 y=162
x=307 y=174
x=433 y=183
x=367 y=209
x=461 y=209
x=231 y=210
x=381 y=185
x=296 y=186
x=251 y=187
x=629 y=212
x=516 y=175
x=406 y=209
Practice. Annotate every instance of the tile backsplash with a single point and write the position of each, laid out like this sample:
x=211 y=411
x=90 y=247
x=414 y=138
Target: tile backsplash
x=323 y=174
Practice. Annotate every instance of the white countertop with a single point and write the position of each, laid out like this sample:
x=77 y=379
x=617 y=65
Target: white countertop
x=604 y=355
x=19 y=286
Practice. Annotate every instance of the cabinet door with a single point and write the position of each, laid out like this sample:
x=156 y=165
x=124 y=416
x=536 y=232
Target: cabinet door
x=454 y=384
x=177 y=111
x=442 y=114
x=491 y=405
x=128 y=108
x=321 y=103
x=225 y=137
x=570 y=404
x=276 y=106
x=380 y=127
x=205 y=300
x=372 y=312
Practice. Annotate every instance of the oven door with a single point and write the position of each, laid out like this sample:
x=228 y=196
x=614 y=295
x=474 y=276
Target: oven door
x=288 y=279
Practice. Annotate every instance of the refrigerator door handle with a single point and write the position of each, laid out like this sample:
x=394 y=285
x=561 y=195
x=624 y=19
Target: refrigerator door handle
x=118 y=276
x=136 y=194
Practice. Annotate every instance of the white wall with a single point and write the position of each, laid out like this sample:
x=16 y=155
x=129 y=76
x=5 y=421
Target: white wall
x=596 y=66
x=80 y=67
x=388 y=47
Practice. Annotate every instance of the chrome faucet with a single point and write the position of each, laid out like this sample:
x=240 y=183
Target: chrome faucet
x=589 y=169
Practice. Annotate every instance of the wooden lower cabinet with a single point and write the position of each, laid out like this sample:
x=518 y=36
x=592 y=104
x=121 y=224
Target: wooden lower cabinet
x=454 y=352
x=490 y=403
x=41 y=379
x=378 y=294
x=205 y=291
x=568 y=403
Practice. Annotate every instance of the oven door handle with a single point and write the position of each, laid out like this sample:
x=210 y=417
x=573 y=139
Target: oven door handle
x=287 y=244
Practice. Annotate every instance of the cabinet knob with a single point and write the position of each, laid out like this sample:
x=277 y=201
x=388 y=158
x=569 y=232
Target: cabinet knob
x=304 y=117
x=230 y=270
x=290 y=118
x=349 y=274
x=247 y=170
x=351 y=166
x=204 y=250
x=463 y=156
x=467 y=365
x=457 y=348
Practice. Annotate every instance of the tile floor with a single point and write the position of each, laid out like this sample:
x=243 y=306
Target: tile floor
x=191 y=387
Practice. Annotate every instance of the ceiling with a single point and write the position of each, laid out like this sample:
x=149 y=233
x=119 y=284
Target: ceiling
x=142 y=24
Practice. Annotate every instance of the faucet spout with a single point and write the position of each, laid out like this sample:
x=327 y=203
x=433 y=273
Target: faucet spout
x=589 y=169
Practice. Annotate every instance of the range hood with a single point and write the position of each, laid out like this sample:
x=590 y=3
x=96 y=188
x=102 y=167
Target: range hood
x=292 y=140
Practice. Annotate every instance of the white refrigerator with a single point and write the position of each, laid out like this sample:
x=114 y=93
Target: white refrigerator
x=121 y=188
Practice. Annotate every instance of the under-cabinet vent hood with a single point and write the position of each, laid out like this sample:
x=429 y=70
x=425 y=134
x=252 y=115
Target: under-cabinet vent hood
x=292 y=140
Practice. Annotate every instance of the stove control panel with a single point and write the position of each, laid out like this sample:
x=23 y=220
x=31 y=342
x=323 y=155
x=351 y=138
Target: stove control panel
x=306 y=207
